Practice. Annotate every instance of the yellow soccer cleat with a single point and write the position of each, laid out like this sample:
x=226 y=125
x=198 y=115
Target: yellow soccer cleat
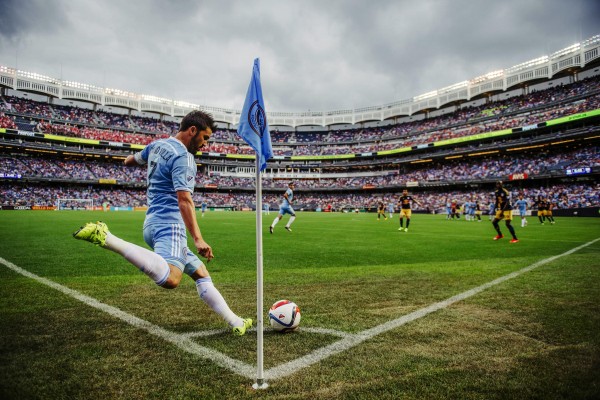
x=93 y=232
x=241 y=330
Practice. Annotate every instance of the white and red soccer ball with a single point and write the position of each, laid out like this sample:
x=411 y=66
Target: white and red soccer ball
x=284 y=316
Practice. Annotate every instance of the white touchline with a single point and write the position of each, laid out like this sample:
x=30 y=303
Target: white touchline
x=180 y=340
x=184 y=342
x=293 y=366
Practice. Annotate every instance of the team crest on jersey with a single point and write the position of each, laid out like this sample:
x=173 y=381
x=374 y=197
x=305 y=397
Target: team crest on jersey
x=257 y=118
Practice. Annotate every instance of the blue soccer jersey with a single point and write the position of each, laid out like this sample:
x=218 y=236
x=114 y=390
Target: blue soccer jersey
x=290 y=197
x=522 y=204
x=171 y=168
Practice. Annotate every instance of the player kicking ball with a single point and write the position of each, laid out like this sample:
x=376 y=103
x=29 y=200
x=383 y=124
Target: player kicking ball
x=171 y=180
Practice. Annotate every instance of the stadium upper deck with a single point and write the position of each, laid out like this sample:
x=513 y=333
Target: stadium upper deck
x=568 y=61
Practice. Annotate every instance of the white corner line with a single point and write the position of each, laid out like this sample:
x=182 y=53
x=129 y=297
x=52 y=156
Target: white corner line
x=349 y=340
x=179 y=340
x=318 y=355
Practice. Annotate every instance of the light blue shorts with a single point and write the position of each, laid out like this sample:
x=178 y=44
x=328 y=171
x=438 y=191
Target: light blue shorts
x=287 y=210
x=170 y=242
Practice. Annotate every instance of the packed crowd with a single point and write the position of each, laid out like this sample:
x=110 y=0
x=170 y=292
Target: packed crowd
x=563 y=196
x=532 y=164
x=7 y=121
x=314 y=149
x=513 y=112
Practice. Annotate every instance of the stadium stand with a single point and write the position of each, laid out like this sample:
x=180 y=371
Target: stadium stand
x=542 y=142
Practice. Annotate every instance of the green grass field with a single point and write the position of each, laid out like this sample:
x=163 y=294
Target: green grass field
x=535 y=336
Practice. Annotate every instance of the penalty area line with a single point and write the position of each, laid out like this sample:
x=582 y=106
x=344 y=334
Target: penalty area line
x=348 y=342
x=182 y=341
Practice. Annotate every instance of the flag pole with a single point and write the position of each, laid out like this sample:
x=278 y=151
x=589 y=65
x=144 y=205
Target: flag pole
x=254 y=129
x=260 y=381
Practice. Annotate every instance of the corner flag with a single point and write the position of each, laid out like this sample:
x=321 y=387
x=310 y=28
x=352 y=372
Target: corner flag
x=253 y=127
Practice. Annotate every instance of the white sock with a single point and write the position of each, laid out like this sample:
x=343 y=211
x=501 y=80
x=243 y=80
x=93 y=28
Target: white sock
x=292 y=220
x=275 y=221
x=145 y=260
x=213 y=298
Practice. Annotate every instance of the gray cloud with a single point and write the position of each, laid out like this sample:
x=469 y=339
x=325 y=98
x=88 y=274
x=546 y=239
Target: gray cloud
x=335 y=55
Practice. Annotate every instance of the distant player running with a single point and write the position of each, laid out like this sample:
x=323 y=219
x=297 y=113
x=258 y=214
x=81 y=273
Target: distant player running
x=522 y=206
x=503 y=211
x=405 y=202
x=171 y=180
x=286 y=208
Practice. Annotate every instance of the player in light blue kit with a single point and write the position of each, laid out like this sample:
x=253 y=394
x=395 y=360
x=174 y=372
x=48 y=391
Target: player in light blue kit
x=522 y=205
x=492 y=211
x=391 y=207
x=203 y=206
x=171 y=179
x=286 y=208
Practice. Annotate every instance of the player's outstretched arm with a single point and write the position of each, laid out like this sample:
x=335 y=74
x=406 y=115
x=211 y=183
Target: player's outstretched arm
x=130 y=161
x=188 y=213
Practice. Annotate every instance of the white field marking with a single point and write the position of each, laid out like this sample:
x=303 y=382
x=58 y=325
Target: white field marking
x=349 y=340
x=293 y=366
x=181 y=341
x=325 y=331
x=205 y=333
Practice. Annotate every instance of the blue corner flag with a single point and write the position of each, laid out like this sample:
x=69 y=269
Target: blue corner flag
x=253 y=127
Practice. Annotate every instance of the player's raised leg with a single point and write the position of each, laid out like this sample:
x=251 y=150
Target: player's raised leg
x=150 y=263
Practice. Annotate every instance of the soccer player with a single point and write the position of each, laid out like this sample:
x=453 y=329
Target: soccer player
x=391 y=207
x=285 y=208
x=522 y=206
x=448 y=209
x=503 y=211
x=453 y=207
x=381 y=210
x=549 y=206
x=541 y=207
x=267 y=208
x=478 y=210
x=492 y=209
x=405 y=211
x=203 y=208
x=171 y=180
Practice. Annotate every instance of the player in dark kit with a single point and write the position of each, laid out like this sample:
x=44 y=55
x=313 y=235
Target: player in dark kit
x=405 y=211
x=541 y=206
x=503 y=211
x=381 y=211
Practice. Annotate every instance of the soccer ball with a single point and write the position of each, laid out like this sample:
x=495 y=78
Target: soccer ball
x=284 y=316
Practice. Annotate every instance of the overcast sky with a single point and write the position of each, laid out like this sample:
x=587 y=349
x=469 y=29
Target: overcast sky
x=319 y=55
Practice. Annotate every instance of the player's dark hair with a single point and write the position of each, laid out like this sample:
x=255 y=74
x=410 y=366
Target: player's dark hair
x=199 y=119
